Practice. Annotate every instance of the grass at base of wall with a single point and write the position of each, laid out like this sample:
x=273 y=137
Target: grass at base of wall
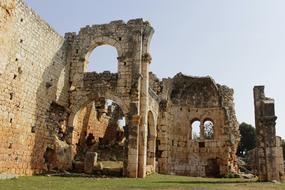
x=155 y=181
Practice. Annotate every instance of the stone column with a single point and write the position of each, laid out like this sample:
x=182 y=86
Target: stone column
x=146 y=59
x=134 y=115
x=267 y=154
x=132 y=146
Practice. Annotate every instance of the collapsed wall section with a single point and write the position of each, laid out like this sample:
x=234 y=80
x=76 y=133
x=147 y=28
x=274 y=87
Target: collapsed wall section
x=33 y=86
x=186 y=100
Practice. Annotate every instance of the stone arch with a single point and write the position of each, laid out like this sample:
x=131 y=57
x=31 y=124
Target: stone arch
x=83 y=131
x=84 y=101
x=208 y=119
x=100 y=41
x=130 y=83
x=91 y=134
x=151 y=141
x=103 y=58
x=194 y=119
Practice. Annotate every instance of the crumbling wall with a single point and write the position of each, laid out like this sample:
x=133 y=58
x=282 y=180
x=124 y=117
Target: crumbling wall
x=33 y=75
x=155 y=83
x=128 y=87
x=268 y=147
x=188 y=99
x=88 y=122
x=46 y=95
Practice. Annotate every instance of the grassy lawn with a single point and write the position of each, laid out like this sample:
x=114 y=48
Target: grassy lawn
x=155 y=181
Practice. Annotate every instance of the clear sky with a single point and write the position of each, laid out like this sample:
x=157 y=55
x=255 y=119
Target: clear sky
x=240 y=43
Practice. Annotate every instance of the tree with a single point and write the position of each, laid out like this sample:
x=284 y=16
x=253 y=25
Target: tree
x=247 y=139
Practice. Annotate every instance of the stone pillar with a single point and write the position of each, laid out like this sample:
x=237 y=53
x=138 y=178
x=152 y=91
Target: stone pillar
x=268 y=168
x=151 y=151
x=90 y=162
x=163 y=138
x=202 y=131
x=146 y=59
x=134 y=116
x=132 y=142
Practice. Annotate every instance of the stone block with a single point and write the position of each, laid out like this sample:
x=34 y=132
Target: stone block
x=90 y=161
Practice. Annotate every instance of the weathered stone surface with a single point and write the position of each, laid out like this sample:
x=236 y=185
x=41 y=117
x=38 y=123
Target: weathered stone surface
x=268 y=155
x=193 y=99
x=57 y=156
x=90 y=162
x=31 y=54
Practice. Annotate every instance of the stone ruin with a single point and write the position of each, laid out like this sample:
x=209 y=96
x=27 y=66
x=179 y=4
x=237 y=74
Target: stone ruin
x=55 y=115
x=268 y=154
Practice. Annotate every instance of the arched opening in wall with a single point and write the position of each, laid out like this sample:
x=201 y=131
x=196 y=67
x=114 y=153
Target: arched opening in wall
x=151 y=143
x=208 y=129
x=195 y=130
x=102 y=58
x=99 y=137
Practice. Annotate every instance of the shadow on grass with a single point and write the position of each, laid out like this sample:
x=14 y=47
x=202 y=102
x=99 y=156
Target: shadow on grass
x=80 y=175
x=204 y=182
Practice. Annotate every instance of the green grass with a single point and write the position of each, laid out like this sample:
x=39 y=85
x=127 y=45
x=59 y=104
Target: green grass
x=155 y=181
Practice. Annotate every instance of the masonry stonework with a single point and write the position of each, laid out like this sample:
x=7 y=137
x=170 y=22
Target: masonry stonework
x=34 y=77
x=188 y=99
x=268 y=153
x=56 y=115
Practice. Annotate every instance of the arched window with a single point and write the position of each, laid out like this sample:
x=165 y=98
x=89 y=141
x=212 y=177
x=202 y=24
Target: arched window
x=208 y=129
x=103 y=58
x=195 y=128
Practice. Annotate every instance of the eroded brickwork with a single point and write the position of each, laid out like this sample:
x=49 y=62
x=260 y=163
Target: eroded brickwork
x=186 y=100
x=89 y=123
x=33 y=76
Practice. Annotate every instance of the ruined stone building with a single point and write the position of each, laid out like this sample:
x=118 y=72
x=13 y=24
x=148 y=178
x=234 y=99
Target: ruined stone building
x=55 y=115
x=268 y=152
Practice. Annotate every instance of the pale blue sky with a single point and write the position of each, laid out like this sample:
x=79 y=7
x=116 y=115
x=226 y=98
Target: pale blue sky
x=240 y=43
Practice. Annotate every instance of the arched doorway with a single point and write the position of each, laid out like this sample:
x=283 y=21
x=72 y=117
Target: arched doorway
x=131 y=66
x=99 y=129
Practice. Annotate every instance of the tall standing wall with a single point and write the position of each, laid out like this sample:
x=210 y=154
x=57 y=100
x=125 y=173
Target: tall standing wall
x=269 y=163
x=33 y=79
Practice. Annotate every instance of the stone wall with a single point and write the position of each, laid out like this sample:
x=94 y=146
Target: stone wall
x=188 y=99
x=7 y=10
x=128 y=88
x=88 y=123
x=47 y=101
x=34 y=75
